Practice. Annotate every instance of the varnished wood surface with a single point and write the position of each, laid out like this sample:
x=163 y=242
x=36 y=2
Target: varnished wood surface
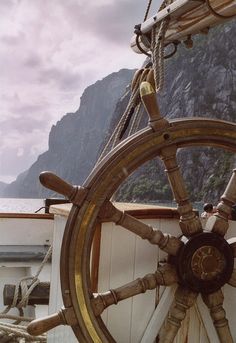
x=139 y=211
x=39 y=295
x=27 y=215
x=95 y=258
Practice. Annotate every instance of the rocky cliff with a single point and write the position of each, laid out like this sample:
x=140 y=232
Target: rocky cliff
x=75 y=140
x=2 y=187
x=198 y=82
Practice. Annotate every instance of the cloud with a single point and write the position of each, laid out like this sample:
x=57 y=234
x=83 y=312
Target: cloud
x=113 y=21
x=49 y=52
x=61 y=78
x=18 y=151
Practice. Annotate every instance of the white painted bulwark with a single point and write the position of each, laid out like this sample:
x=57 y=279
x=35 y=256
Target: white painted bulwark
x=123 y=258
x=26 y=231
x=60 y=334
x=23 y=239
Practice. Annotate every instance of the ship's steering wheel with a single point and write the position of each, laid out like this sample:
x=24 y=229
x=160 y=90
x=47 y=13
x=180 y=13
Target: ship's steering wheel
x=199 y=262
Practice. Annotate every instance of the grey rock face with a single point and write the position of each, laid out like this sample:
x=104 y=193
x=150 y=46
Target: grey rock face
x=2 y=187
x=200 y=82
x=75 y=140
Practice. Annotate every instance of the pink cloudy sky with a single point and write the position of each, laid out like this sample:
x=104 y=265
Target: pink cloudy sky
x=50 y=50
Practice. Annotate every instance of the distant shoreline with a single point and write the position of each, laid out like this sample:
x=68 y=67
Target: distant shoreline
x=20 y=205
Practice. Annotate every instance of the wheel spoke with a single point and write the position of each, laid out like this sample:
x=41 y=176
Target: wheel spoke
x=232 y=280
x=214 y=302
x=165 y=275
x=184 y=299
x=220 y=223
x=189 y=222
x=232 y=243
x=165 y=242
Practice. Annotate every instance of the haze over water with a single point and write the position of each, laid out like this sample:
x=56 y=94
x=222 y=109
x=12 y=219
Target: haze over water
x=20 y=205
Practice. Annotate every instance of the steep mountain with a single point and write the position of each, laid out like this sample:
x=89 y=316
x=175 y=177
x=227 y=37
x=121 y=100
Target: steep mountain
x=2 y=187
x=198 y=82
x=75 y=140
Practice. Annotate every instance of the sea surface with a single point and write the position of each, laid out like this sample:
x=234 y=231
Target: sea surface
x=21 y=205
x=33 y=205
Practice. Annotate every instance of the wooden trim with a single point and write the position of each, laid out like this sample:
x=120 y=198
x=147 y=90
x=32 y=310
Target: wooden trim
x=95 y=257
x=38 y=296
x=22 y=253
x=154 y=213
x=26 y=215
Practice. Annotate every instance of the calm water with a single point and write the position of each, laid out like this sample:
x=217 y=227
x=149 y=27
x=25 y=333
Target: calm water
x=32 y=205
x=21 y=205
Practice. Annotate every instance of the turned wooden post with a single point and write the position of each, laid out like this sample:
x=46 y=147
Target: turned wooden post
x=165 y=276
x=184 y=299
x=232 y=280
x=232 y=242
x=189 y=222
x=214 y=302
x=75 y=194
x=166 y=242
x=220 y=223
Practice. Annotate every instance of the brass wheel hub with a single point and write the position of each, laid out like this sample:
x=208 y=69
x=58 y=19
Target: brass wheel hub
x=205 y=262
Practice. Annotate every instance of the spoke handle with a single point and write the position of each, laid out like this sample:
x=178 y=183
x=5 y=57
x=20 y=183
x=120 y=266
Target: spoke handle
x=39 y=326
x=224 y=208
x=148 y=96
x=230 y=191
x=63 y=317
x=51 y=181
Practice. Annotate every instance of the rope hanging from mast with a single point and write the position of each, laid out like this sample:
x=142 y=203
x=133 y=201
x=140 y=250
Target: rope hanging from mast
x=133 y=113
x=157 y=48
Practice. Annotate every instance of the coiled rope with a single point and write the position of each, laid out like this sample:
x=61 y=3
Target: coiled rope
x=14 y=332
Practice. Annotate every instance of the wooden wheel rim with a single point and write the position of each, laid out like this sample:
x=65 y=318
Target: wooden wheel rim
x=101 y=184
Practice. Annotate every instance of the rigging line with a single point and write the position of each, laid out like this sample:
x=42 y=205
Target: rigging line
x=127 y=122
x=147 y=10
x=133 y=102
x=136 y=120
x=158 y=34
